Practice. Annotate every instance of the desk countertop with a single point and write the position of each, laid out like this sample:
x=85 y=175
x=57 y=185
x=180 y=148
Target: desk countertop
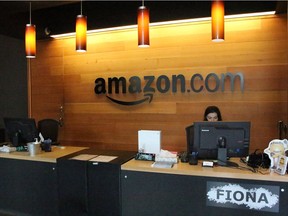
x=51 y=157
x=198 y=170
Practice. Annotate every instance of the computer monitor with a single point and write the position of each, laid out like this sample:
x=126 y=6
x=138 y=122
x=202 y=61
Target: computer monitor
x=20 y=131
x=207 y=137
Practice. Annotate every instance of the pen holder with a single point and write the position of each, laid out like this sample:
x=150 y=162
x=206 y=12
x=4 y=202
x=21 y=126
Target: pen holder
x=46 y=145
x=193 y=159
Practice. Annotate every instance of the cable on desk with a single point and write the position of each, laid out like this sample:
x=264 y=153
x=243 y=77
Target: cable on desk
x=255 y=169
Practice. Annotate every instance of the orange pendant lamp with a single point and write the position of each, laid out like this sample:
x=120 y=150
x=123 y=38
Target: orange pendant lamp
x=217 y=17
x=30 y=39
x=81 y=32
x=143 y=26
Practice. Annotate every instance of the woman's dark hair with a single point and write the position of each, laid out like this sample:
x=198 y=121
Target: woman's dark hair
x=212 y=109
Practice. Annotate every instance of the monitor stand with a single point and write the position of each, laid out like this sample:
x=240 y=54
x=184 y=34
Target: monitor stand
x=222 y=158
x=15 y=139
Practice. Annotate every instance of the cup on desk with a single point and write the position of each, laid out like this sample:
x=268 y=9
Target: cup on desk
x=34 y=148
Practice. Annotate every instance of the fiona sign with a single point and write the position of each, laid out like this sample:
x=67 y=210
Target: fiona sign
x=243 y=196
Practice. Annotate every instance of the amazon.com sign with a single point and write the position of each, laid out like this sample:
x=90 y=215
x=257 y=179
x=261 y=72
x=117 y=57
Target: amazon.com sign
x=146 y=86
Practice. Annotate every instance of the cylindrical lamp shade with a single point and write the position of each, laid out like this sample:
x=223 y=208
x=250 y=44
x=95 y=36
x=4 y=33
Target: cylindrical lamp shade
x=30 y=41
x=81 y=30
x=143 y=27
x=217 y=16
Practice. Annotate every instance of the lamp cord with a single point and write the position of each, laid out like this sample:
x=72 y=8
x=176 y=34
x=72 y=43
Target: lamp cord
x=30 y=14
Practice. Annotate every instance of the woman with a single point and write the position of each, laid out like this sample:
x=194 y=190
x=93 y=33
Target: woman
x=212 y=113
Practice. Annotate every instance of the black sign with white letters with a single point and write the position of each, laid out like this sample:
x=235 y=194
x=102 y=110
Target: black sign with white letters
x=243 y=196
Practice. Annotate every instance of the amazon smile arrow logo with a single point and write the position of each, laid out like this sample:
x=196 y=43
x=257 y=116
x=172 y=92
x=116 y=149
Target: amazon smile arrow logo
x=147 y=97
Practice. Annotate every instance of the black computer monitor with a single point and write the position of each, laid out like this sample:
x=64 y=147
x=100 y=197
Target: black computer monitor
x=207 y=137
x=20 y=131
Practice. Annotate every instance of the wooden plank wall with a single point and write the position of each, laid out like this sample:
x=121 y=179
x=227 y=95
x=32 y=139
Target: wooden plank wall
x=256 y=47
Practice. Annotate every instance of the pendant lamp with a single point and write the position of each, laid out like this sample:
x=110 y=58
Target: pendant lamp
x=30 y=39
x=81 y=32
x=143 y=26
x=217 y=17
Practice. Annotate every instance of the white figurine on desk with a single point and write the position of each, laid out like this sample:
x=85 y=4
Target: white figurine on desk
x=278 y=153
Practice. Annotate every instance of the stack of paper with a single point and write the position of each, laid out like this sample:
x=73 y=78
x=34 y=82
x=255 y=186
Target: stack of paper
x=166 y=156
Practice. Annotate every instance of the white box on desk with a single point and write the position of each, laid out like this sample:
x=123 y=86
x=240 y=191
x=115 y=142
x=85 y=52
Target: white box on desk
x=149 y=141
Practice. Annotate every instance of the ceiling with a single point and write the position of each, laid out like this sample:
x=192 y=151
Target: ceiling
x=59 y=16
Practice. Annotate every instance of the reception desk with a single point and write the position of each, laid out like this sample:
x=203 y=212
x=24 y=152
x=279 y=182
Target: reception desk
x=28 y=184
x=196 y=190
x=67 y=181
x=91 y=187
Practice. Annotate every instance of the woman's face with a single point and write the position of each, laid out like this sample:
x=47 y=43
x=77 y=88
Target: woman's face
x=212 y=117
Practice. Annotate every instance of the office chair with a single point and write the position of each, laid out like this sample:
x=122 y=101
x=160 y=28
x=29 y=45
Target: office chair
x=49 y=129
